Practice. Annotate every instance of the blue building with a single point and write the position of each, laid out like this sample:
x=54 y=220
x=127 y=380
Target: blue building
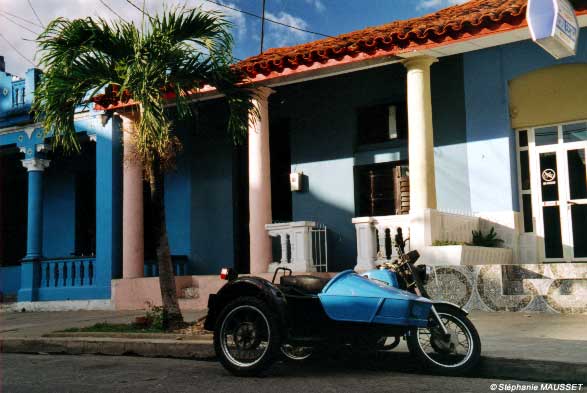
x=463 y=125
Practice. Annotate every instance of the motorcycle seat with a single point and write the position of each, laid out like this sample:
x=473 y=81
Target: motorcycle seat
x=306 y=283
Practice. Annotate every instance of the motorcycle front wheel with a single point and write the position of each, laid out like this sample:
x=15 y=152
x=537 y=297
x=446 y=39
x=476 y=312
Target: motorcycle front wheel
x=456 y=353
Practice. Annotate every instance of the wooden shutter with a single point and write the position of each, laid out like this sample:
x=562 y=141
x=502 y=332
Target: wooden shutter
x=401 y=189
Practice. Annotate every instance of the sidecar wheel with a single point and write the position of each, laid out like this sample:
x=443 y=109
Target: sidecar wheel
x=247 y=337
x=296 y=353
x=457 y=355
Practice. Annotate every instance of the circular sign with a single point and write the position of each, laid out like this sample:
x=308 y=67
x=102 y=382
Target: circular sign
x=548 y=174
x=5 y=91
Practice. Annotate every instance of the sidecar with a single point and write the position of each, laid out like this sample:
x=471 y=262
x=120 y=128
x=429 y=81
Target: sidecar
x=253 y=318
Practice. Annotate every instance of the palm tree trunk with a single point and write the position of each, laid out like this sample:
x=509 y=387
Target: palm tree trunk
x=166 y=275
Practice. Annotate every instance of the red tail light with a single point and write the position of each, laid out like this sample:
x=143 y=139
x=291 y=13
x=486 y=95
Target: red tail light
x=228 y=274
x=224 y=274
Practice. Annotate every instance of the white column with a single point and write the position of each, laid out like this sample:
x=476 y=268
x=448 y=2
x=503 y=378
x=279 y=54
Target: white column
x=421 y=143
x=260 y=185
x=366 y=243
x=133 y=254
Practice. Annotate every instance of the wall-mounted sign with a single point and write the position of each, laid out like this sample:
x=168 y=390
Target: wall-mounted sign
x=554 y=26
x=549 y=176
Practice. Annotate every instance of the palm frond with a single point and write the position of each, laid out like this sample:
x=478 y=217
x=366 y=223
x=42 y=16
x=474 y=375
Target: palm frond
x=181 y=50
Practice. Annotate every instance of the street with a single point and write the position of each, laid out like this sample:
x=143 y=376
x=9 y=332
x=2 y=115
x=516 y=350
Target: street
x=45 y=373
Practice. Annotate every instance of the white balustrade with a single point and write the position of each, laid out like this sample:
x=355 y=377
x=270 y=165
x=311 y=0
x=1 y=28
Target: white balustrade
x=296 y=245
x=376 y=238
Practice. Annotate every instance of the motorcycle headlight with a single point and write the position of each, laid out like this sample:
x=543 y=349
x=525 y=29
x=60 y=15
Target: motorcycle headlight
x=423 y=272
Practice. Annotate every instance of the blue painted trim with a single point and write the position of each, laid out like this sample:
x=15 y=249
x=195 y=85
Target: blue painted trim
x=108 y=202
x=35 y=216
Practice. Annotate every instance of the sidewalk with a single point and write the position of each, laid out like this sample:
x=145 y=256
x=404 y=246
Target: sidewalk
x=533 y=346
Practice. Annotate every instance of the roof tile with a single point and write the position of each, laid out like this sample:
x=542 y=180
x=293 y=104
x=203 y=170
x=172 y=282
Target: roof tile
x=451 y=23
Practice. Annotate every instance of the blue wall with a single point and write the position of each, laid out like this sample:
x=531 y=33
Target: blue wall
x=178 y=199
x=9 y=280
x=59 y=212
x=323 y=122
x=212 y=207
x=491 y=149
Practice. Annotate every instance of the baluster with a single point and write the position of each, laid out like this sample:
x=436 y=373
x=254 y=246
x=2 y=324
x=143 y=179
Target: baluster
x=64 y=273
x=75 y=274
x=82 y=273
x=90 y=272
x=381 y=234
x=55 y=270
x=51 y=271
x=283 y=242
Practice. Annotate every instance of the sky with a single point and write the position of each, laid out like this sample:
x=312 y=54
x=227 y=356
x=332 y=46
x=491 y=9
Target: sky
x=21 y=20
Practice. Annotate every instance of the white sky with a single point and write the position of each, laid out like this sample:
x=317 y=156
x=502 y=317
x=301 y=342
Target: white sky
x=50 y=9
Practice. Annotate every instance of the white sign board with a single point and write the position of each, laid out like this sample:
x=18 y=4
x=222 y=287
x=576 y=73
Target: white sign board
x=554 y=26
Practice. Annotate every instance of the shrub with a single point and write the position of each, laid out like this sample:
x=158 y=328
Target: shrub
x=489 y=240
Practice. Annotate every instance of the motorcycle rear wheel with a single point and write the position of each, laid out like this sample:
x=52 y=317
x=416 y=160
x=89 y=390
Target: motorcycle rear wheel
x=456 y=355
x=247 y=337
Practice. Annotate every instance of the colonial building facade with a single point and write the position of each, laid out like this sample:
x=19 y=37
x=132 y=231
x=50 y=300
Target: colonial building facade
x=442 y=125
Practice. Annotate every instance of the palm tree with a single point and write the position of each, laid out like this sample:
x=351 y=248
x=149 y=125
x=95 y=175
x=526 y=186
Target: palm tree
x=173 y=54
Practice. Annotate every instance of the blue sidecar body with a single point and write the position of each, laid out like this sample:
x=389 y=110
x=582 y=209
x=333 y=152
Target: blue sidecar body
x=373 y=298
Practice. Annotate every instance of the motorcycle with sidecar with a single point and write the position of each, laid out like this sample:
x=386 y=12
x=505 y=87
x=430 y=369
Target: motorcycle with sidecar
x=256 y=322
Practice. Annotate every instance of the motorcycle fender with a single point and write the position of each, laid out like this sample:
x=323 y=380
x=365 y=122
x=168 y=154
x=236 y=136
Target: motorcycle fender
x=245 y=286
x=456 y=306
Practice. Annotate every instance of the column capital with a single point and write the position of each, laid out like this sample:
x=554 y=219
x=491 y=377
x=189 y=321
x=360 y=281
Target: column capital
x=263 y=92
x=35 y=164
x=419 y=62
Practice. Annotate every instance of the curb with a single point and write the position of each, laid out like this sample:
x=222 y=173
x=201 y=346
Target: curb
x=185 y=349
x=202 y=349
x=532 y=370
x=130 y=336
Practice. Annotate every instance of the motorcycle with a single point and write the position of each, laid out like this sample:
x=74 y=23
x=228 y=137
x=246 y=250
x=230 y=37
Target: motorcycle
x=256 y=322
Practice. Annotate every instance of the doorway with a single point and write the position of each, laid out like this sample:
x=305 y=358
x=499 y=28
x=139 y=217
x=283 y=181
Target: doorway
x=555 y=180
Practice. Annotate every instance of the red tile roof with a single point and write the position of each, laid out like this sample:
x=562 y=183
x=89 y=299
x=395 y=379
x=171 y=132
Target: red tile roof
x=449 y=24
x=459 y=22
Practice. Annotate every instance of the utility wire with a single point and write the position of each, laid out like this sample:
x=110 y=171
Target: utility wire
x=262 y=27
x=268 y=20
x=35 y=12
x=138 y=8
x=110 y=9
x=22 y=19
x=18 y=24
x=16 y=50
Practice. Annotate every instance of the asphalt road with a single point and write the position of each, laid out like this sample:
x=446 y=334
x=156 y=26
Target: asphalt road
x=56 y=374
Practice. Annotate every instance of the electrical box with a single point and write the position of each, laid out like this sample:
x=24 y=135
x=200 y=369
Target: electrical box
x=295 y=181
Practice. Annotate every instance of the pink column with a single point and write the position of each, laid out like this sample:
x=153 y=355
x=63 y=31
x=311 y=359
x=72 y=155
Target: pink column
x=260 y=186
x=133 y=255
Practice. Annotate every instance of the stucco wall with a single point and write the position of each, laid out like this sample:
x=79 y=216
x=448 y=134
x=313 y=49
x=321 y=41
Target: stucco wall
x=178 y=199
x=323 y=118
x=491 y=150
x=212 y=215
x=58 y=212
x=9 y=280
